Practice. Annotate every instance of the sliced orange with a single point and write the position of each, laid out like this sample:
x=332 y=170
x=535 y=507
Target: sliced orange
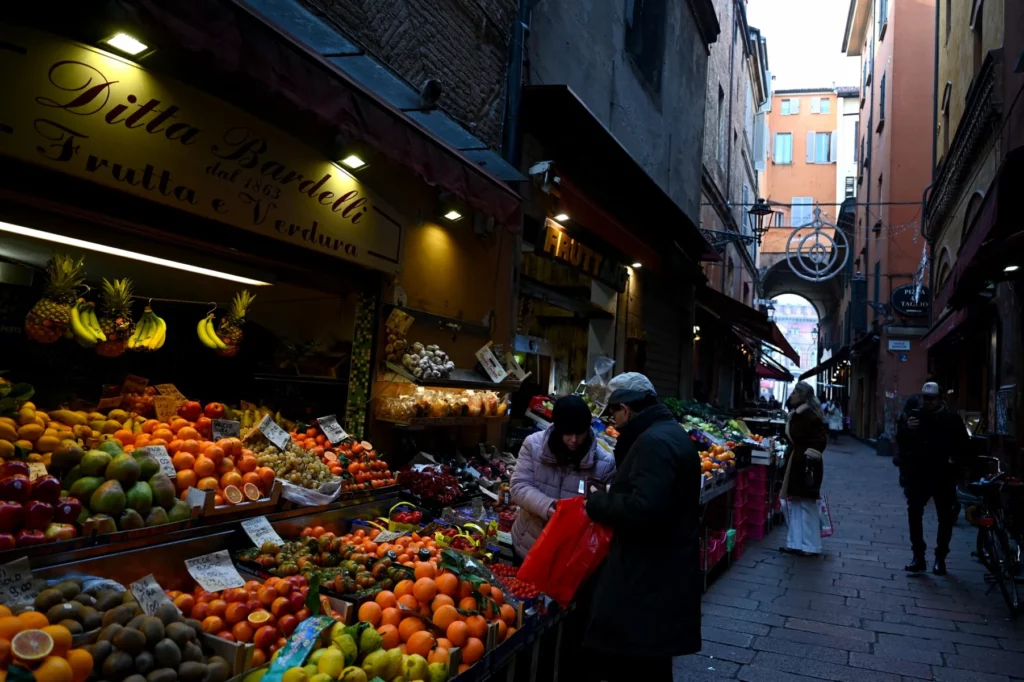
x=258 y=617
x=251 y=491
x=31 y=645
x=233 y=494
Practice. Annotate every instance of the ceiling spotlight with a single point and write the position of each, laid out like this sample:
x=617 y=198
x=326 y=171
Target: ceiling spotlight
x=1011 y=268
x=562 y=217
x=126 y=44
x=353 y=162
x=453 y=215
x=637 y=265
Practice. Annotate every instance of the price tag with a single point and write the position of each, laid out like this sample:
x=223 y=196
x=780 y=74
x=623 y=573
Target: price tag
x=166 y=407
x=16 y=583
x=214 y=572
x=387 y=536
x=274 y=433
x=226 y=428
x=399 y=322
x=195 y=497
x=149 y=594
x=490 y=364
x=259 y=531
x=169 y=390
x=134 y=384
x=487 y=492
x=106 y=404
x=504 y=537
x=160 y=454
x=35 y=470
x=332 y=429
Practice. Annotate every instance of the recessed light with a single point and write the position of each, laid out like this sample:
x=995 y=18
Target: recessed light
x=562 y=217
x=453 y=215
x=1011 y=268
x=637 y=264
x=122 y=42
x=353 y=162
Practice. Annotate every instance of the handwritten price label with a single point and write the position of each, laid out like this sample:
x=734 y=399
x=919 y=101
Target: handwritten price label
x=274 y=433
x=35 y=470
x=214 y=572
x=160 y=454
x=259 y=531
x=16 y=583
x=226 y=428
x=166 y=407
x=170 y=390
x=332 y=429
x=388 y=536
x=149 y=594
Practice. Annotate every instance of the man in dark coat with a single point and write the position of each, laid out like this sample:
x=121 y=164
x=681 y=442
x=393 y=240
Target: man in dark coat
x=646 y=603
x=933 y=446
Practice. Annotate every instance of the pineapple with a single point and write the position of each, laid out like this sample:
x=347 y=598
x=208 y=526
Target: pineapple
x=230 y=328
x=50 y=316
x=115 y=316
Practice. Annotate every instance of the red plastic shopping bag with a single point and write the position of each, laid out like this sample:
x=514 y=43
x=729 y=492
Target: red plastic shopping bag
x=568 y=551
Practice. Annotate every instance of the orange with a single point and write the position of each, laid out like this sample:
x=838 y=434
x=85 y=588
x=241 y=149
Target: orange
x=125 y=436
x=159 y=441
x=186 y=479
x=510 y=632
x=213 y=452
x=389 y=638
x=242 y=631
x=174 y=447
x=5 y=653
x=258 y=658
x=177 y=424
x=208 y=483
x=33 y=620
x=497 y=595
x=502 y=630
x=447 y=584
x=386 y=598
x=409 y=627
x=259 y=617
x=508 y=614
x=370 y=612
x=183 y=460
x=441 y=600
x=443 y=643
x=150 y=425
x=81 y=664
x=473 y=651
x=420 y=643
x=61 y=637
x=252 y=492
x=188 y=433
x=55 y=669
x=236 y=612
x=468 y=604
x=231 y=478
x=217 y=607
x=233 y=494
x=424 y=590
x=477 y=626
x=457 y=633
x=267 y=475
x=247 y=464
x=409 y=602
x=225 y=466
x=190 y=446
x=204 y=466
x=252 y=477
x=212 y=624
x=31 y=645
x=445 y=616
x=465 y=589
x=425 y=569
x=163 y=433
x=403 y=587
x=391 y=616
x=438 y=655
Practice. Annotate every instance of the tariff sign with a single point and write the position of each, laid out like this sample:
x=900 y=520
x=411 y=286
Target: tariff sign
x=332 y=429
x=149 y=594
x=259 y=531
x=159 y=453
x=388 y=536
x=35 y=470
x=166 y=407
x=214 y=572
x=16 y=583
x=169 y=390
x=490 y=364
x=226 y=428
x=274 y=433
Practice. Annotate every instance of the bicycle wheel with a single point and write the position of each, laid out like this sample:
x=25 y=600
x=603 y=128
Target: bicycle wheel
x=1002 y=567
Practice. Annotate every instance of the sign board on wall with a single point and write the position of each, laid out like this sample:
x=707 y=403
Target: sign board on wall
x=903 y=300
x=555 y=242
x=899 y=344
x=79 y=110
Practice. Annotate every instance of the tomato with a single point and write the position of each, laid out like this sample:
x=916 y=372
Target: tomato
x=215 y=410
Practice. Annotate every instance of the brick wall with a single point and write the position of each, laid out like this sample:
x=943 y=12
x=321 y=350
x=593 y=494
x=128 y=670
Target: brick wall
x=461 y=43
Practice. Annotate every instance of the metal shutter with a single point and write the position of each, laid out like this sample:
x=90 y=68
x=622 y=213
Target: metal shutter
x=663 y=321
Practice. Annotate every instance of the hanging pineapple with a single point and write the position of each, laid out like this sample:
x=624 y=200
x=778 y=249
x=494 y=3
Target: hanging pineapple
x=115 y=317
x=230 y=328
x=49 y=317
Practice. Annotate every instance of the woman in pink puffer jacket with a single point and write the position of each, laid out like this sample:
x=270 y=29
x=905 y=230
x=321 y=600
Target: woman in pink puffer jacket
x=553 y=465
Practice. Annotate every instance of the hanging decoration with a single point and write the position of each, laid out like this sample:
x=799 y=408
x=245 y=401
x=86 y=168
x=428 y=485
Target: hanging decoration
x=816 y=255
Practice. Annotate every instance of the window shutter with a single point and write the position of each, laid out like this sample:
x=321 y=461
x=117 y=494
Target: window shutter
x=775 y=148
x=834 y=147
x=810 y=147
x=814 y=105
x=760 y=133
x=794 y=106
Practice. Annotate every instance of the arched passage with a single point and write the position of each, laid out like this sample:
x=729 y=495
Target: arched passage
x=798 y=319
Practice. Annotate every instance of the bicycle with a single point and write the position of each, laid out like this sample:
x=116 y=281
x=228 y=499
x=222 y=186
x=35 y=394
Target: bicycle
x=998 y=543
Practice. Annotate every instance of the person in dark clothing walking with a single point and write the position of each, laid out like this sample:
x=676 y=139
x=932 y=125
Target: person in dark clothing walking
x=933 y=445
x=656 y=486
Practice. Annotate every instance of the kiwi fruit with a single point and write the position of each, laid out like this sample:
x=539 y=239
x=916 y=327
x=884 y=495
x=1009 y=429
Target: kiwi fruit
x=191 y=671
x=191 y=653
x=85 y=599
x=135 y=622
x=91 y=618
x=179 y=633
x=69 y=588
x=69 y=610
x=168 y=613
x=217 y=670
x=99 y=651
x=194 y=624
x=128 y=597
x=109 y=631
x=73 y=625
x=130 y=641
x=107 y=599
x=167 y=654
x=135 y=678
x=163 y=675
x=48 y=599
x=119 y=614
x=117 y=666
x=145 y=663
x=153 y=628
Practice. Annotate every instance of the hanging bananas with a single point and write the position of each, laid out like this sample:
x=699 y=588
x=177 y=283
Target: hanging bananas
x=150 y=332
x=207 y=335
x=85 y=328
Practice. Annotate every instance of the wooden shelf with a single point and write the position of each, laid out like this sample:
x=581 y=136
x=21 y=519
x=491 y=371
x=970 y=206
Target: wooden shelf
x=452 y=325
x=420 y=423
x=460 y=378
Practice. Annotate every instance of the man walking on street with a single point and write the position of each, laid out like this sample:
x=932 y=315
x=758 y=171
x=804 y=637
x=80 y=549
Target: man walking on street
x=656 y=487
x=933 y=444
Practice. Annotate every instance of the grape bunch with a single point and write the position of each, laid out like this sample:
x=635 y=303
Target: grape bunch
x=294 y=464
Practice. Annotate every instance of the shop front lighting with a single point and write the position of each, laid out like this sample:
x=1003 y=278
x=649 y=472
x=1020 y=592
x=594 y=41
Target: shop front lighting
x=562 y=217
x=453 y=215
x=126 y=44
x=1011 y=268
x=353 y=161
x=636 y=265
x=131 y=255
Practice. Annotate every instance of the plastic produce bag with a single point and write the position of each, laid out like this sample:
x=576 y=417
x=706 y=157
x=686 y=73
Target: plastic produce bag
x=568 y=551
x=596 y=391
x=325 y=494
x=825 y=516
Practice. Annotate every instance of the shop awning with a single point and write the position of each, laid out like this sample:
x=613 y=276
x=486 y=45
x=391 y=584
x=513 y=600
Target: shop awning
x=748 y=322
x=840 y=356
x=943 y=328
x=258 y=55
x=769 y=369
x=602 y=169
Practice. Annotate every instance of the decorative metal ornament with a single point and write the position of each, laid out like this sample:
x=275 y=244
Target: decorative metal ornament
x=815 y=256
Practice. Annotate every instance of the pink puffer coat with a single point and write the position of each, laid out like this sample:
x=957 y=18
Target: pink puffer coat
x=538 y=482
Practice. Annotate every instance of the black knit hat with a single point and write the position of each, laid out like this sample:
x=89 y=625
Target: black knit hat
x=571 y=415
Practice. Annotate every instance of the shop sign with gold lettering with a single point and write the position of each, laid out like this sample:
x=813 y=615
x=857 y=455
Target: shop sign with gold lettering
x=80 y=110
x=558 y=244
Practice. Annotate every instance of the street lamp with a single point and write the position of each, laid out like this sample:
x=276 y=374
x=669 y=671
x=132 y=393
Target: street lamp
x=770 y=310
x=760 y=210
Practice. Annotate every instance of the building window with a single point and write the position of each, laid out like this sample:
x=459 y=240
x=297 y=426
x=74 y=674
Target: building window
x=820 y=105
x=881 y=105
x=802 y=211
x=851 y=186
x=883 y=17
x=790 y=107
x=645 y=39
x=819 y=148
x=783 y=148
x=722 y=122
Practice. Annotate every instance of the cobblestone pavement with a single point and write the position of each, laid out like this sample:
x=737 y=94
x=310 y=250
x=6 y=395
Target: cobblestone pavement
x=853 y=614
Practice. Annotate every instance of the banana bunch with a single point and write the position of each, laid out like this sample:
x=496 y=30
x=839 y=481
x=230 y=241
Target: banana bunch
x=207 y=335
x=85 y=328
x=150 y=332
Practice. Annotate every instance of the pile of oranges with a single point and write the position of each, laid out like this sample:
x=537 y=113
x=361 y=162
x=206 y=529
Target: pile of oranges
x=363 y=471
x=226 y=466
x=28 y=640
x=438 y=597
